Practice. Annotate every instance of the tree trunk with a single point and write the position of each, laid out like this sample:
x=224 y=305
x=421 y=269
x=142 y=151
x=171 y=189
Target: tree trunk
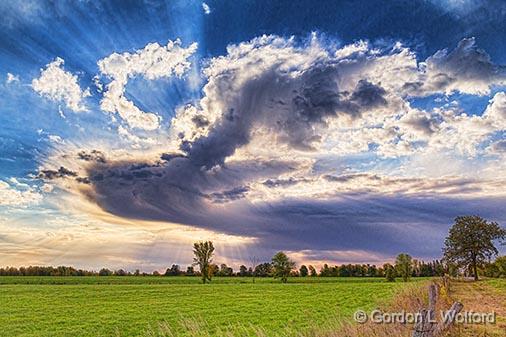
x=475 y=269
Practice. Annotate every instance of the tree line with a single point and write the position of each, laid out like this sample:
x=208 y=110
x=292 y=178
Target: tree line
x=265 y=269
x=469 y=249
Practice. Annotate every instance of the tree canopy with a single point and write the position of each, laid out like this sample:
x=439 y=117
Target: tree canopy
x=404 y=266
x=282 y=266
x=470 y=242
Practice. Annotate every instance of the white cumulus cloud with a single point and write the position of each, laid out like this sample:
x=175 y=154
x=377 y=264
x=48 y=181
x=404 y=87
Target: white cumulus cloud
x=152 y=62
x=57 y=84
x=18 y=194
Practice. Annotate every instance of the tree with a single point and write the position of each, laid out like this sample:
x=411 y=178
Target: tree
x=174 y=270
x=263 y=270
x=104 y=272
x=203 y=252
x=325 y=271
x=470 y=242
x=312 y=271
x=243 y=271
x=120 y=272
x=282 y=266
x=403 y=266
x=303 y=271
x=389 y=272
x=214 y=269
x=225 y=270
x=190 y=271
x=500 y=263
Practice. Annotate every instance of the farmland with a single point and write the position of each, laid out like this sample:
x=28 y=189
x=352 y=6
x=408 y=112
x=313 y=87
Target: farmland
x=136 y=306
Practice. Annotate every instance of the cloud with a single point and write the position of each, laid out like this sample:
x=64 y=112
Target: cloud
x=272 y=86
x=206 y=8
x=152 y=62
x=16 y=194
x=55 y=139
x=57 y=84
x=53 y=174
x=483 y=11
x=466 y=69
x=271 y=150
x=496 y=111
x=349 y=101
x=498 y=147
x=11 y=78
x=94 y=156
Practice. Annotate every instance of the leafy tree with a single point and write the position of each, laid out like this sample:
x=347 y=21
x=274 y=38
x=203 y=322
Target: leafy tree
x=490 y=270
x=403 y=266
x=243 y=271
x=214 y=269
x=500 y=263
x=282 y=266
x=104 y=272
x=190 y=271
x=389 y=272
x=312 y=271
x=470 y=242
x=225 y=270
x=372 y=271
x=120 y=272
x=174 y=270
x=303 y=271
x=263 y=270
x=203 y=252
x=325 y=271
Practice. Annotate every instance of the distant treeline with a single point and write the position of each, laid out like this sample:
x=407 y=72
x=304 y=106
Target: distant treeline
x=420 y=269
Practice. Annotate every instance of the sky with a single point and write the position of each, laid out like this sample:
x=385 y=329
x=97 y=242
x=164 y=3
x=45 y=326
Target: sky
x=336 y=131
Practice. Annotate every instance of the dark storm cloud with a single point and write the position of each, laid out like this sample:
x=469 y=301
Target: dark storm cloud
x=177 y=190
x=93 y=155
x=170 y=156
x=229 y=195
x=466 y=64
x=288 y=106
x=62 y=172
x=273 y=183
x=385 y=224
x=168 y=190
x=349 y=177
x=200 y=121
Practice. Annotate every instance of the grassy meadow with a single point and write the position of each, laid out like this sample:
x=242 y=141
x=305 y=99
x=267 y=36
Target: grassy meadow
x=142 y=306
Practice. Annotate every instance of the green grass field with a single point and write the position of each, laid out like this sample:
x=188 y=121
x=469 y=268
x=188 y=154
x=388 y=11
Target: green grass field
x=498 y=284
x=133 y=306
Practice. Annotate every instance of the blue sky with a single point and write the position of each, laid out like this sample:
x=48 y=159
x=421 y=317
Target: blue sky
x=340 y=131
